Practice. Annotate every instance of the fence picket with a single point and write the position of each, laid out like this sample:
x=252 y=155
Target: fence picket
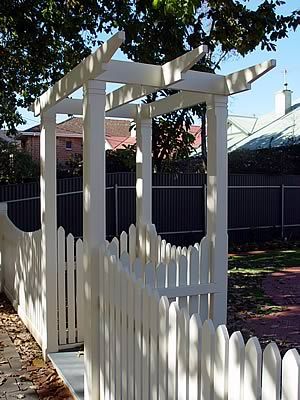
x=236 y=367
x=207 y=360
x=154 y=356
x=79 y=290
x=172 y=356
x=182 y=280
x=194 y=357
x=271 y=372
x=168 y=252
x=130 y=336
x=161 y=275
x=163 y=348
x=291 y=375
x=204 y=274
x=106 y=325
x=138 y=339
x=182 y=354
x=113 y=247
x=123 y=340
x=132 y=243
x=112 y=328
x=138 y=270
x=221 y=363
x=61 y=279
x=153 y=245
x=145 y=343
x=101 y=321
x=118 y=269
x=150 y=276
x=194 y=278
x=125 y=260
x=158 y=249
x=163 y=251
x=71 y=289
x=173 y=252
x=172 y=270
x=252 y=375
x=123 y=242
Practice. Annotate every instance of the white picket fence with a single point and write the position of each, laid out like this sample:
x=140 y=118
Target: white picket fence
x=152 y=350
x=21 y=275
x=181 y=274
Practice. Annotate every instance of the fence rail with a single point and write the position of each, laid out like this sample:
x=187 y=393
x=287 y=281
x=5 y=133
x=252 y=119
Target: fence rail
x=260 y=207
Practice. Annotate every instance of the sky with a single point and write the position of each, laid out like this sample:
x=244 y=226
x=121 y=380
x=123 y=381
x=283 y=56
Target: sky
x=260 y=99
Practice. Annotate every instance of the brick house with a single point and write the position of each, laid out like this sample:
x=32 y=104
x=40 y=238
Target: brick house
x=69 y=137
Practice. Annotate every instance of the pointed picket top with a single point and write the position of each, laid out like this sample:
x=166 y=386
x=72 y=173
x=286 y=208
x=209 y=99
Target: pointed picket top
x=291 y=375
x=271 y=372
x=173 y=252
x=221 y=363
x=113 y=247
x=236 y=366
x=253 y=364
x=123 y=242
x=60 y=230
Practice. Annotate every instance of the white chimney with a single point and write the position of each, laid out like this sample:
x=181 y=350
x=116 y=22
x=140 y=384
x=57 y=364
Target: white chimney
x=283 y=101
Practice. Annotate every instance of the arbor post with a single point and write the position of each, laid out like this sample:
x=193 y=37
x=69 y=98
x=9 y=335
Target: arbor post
x=217 y=193
x=94 y=225
x=49 y=231
x=143 y=182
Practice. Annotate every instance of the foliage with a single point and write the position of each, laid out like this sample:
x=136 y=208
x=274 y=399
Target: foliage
x=37 y=48
x=276 y=160
x=16 y=166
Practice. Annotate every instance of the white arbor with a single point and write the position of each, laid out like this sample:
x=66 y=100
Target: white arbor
x=138 y=80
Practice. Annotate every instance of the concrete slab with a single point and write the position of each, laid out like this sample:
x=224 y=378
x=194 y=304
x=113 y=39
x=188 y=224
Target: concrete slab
x=70 y=367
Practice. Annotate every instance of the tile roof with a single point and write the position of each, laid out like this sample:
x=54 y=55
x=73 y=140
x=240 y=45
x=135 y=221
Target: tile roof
x=114 y=127
x=117 y=131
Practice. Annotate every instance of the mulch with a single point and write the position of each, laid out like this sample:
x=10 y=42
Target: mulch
x=45 y=380
x=283 y=288
x=266 y=306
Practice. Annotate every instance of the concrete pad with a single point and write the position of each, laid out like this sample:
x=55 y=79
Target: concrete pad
x=70 y=368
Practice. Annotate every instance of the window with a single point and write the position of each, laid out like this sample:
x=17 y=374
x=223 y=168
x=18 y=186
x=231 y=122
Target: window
x=68 y=145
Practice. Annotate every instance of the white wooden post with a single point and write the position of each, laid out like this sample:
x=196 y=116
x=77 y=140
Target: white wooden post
x=94 y=229
x=143 y=182
x=217 y=204
x=49 y=231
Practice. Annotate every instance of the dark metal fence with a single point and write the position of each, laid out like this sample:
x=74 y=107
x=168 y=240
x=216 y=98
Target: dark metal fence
x=259 y=207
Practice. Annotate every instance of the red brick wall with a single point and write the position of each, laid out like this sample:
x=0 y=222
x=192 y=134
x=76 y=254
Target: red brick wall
x=32 y=145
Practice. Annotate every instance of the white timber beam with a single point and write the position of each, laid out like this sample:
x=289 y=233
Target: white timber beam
x=174 y=102
x=241 y=80
x=217 y=204
x=74 y=107
x=89 y=68
x=94 y=225
x=49 y=231
x=143 y=182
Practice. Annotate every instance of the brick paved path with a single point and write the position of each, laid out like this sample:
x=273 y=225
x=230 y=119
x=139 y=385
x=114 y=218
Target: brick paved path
x=14 y=383
x=283 y=288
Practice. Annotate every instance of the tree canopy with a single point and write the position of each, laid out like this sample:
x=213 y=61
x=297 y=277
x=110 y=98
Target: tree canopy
x=42 y=40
